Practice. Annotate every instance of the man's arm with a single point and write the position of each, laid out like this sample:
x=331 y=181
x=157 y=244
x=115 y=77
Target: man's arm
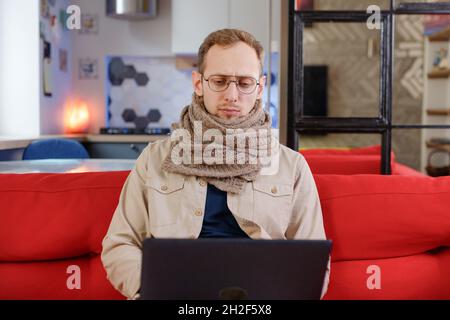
x=122 y=245
x=307 y=221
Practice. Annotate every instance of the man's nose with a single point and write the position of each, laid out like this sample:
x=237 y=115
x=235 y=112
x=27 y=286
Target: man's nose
x=232 y=92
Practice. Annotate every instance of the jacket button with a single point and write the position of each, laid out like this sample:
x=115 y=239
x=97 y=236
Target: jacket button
x=202 y=183
x=198 y=212
x=164 y=188
x=274 y=190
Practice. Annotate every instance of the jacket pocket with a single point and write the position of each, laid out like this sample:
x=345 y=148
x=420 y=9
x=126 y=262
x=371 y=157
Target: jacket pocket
x=164 y=199
x=274 y=190
x=272 y=206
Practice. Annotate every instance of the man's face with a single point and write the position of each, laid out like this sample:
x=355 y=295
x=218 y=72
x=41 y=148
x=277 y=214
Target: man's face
x=239 y=60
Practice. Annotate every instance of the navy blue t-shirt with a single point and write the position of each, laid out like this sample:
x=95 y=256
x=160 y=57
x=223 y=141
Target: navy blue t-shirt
x=218 y=221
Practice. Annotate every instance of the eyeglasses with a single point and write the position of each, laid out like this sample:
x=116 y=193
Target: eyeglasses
x=245 y=85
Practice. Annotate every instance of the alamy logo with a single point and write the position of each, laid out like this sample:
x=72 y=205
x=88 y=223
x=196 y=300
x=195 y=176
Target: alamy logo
x=74 y=280
x=73 y=21
x=374 y=21
x=374 y=280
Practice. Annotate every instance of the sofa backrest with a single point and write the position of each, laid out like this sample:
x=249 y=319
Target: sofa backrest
x=379 y=216
x=368 y=150
x=52 y=222
x=362 y=160
x=391 y=236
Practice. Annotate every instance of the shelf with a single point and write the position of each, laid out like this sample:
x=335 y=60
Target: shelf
x=438 y=112
x=439 y=74
x=443 y=35
x=438 y=146
x=422 y=8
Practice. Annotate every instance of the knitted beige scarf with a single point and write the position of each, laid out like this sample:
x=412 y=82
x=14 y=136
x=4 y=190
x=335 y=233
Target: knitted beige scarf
x=226 y=175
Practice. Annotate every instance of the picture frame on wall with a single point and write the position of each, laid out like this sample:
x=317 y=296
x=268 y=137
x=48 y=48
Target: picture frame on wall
x=63 y=60
x=47 y=69
x=89 y=24
x=87 y=68
x=45 y=9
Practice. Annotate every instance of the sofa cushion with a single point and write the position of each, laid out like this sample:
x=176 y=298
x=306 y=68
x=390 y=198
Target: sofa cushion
x=49 y=280
x=363 y=164
x=56 y=215
x=363 y=160
x=373 y=150
x=379 y=216
x=421 y=276
x=403 y=170
x=344 y=164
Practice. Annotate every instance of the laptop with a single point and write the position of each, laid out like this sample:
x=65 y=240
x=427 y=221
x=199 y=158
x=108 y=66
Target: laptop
x=233 y=269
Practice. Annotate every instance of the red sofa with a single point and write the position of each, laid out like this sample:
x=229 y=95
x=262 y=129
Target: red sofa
x=400 y=224
x=50 y=222
x=363 y=160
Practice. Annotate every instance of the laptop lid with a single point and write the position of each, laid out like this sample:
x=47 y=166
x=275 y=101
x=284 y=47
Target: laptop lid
x=180 y=269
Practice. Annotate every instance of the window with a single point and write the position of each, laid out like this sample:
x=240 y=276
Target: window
x=377 y=117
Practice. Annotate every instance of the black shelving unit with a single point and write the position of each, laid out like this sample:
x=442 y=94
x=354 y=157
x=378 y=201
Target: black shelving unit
x=382 y=124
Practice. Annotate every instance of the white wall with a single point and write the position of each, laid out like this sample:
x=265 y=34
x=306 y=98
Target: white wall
x=116 y=37
x=275 y=8
x=19 y=67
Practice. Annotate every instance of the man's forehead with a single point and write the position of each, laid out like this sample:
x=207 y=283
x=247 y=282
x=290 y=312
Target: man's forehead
x=229 y=74
x=237 y=60
x=232 y=70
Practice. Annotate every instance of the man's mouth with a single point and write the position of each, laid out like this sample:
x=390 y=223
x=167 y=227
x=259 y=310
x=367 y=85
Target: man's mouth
x=230 y=111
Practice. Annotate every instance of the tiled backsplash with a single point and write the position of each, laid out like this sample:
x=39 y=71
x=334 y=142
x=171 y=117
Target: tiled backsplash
x=149 y=90
x=144 y=84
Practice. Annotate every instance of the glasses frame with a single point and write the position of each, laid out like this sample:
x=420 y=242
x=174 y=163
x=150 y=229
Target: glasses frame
x=230 y=81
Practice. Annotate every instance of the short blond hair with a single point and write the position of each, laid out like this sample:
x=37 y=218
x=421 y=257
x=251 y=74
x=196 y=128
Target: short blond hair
x=227 y=38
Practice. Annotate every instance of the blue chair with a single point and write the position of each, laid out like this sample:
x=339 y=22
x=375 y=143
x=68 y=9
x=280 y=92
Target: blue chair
x=55 y=149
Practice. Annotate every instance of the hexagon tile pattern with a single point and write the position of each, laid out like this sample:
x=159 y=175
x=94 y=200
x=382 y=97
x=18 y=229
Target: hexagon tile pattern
x=115 y=71
x=141 y=79
x=129 y=72
x=129 y=115
x=159 y=102
x=141 y=122
x=154 y=115
x=118 y=72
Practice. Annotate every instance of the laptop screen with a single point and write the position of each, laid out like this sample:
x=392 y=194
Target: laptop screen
x=209 y=269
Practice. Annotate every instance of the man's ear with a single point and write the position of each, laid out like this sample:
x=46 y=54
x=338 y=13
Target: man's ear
x=262 y=83
x=197 y=83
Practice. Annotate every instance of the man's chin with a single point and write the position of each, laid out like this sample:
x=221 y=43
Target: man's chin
x=229 y=115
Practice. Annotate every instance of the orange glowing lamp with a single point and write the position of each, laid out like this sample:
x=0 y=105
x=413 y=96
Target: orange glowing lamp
x=76 y=118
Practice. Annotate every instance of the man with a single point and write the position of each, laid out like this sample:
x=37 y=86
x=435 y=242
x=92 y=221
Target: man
x=181 y=188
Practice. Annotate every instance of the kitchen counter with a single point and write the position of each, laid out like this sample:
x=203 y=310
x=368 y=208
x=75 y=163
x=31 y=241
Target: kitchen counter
x=9 y=142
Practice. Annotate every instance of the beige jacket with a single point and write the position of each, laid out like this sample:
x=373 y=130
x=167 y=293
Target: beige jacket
x=154 y=203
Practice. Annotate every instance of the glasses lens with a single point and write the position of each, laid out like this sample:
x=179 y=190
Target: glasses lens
x=221 y=83
x=217 y=83
x=246 y=84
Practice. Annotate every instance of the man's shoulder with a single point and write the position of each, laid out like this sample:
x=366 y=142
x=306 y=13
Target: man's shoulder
x=157 y=149
x=155 y=152
x=285 y=167
x=291 y=156
x=293 y=161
